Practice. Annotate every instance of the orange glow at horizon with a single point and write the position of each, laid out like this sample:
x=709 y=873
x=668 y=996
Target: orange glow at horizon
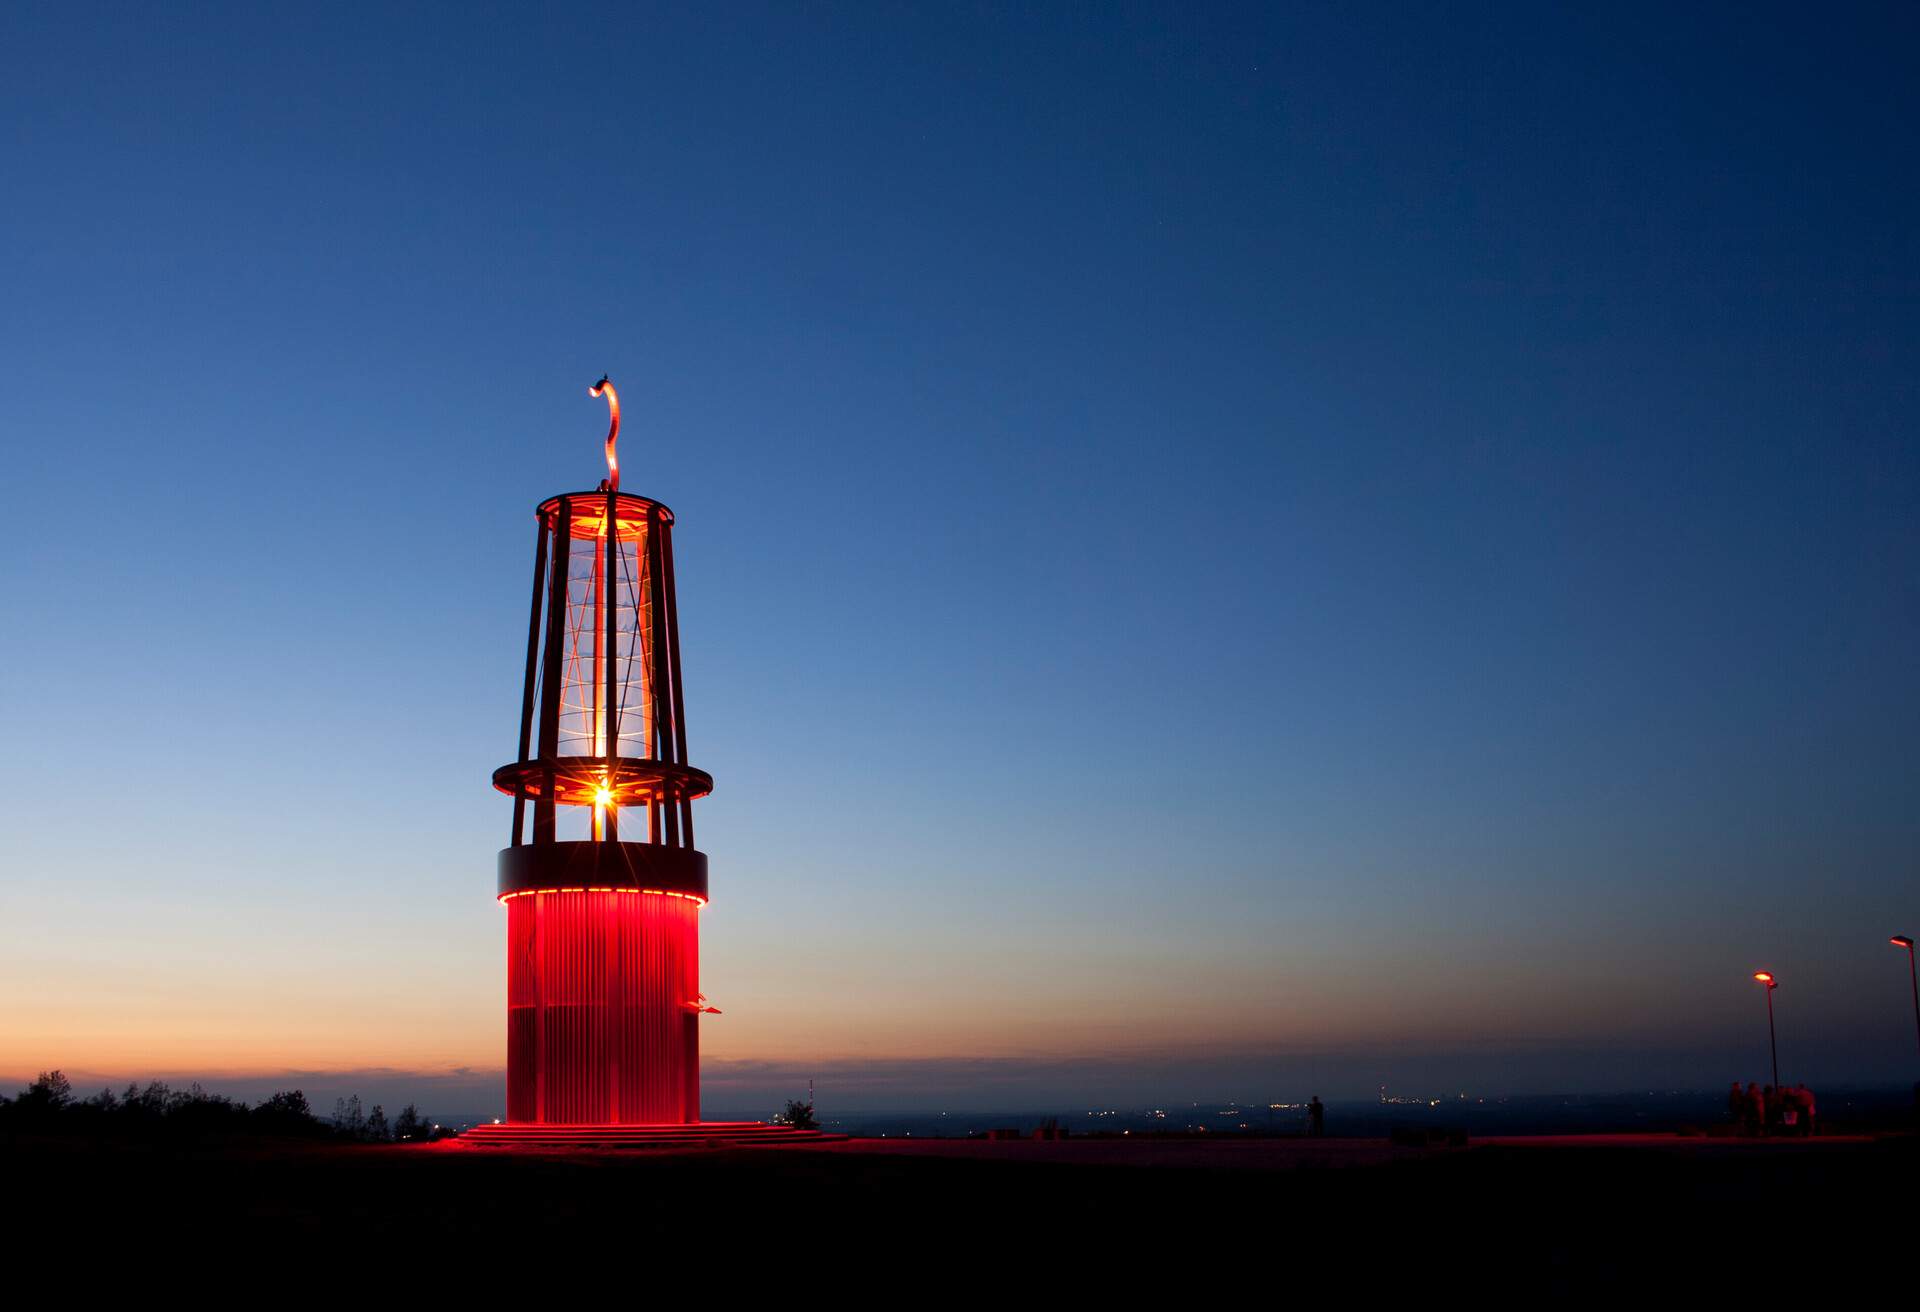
x=174 y=983
x=339 y=1010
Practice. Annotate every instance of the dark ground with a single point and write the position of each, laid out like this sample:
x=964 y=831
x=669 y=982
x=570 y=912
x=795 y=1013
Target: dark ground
x=1568 y=1215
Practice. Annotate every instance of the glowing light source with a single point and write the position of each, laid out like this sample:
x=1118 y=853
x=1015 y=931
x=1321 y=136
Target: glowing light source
x=1901 y=941
x=1763 y=977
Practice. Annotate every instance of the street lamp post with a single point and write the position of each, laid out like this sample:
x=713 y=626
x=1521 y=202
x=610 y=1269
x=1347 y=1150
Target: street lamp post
x=1773 y=1044
x=1903 y=941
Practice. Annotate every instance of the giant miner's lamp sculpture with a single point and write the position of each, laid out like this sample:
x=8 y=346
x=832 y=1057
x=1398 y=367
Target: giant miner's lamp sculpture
x=601 y=881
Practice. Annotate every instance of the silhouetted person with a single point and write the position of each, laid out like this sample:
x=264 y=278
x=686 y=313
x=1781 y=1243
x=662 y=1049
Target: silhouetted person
x=1737 y=1105
x=1316 y=1118
x=1756 y=1109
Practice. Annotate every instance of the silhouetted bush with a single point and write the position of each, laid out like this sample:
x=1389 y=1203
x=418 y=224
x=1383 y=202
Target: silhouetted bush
x=288 y=1114
x=44 y=1099
x=413 y=1126
x=348 y=1120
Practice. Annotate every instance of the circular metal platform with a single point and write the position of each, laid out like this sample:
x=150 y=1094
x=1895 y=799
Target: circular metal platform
x=587 y=866
x=584 y=780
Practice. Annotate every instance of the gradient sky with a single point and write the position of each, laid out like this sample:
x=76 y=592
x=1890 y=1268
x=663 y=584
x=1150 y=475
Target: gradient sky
x=1218 y=548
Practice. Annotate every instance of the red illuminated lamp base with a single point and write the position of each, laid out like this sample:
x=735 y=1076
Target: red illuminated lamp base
x=603 y=1009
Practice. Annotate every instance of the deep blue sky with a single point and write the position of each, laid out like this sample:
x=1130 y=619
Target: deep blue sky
x=1306 y=544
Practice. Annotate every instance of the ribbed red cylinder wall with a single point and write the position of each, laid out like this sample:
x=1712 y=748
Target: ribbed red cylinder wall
x=601 y=1020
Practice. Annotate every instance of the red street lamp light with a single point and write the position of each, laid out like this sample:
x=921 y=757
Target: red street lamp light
x=1773 y=1044
x=1902 y=941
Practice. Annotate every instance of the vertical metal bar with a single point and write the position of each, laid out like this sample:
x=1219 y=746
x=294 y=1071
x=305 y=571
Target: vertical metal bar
x=659 y=685
x=533 y=670
x=595 y=714
x=643 y=652
x=610 y=714
x=673 y=659
x=543 y=807
x=662 y=672
x=542 y=924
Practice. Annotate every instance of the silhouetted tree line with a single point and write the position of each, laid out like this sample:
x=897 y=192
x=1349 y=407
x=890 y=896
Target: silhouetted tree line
x=48 y=1106
x=408 y=1127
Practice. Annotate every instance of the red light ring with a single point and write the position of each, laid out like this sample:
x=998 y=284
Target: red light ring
x=505 y=898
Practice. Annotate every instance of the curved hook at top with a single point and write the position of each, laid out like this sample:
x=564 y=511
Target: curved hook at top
x=605 y=388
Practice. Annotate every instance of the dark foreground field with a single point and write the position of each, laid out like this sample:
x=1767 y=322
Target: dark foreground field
x=1573 y=1215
